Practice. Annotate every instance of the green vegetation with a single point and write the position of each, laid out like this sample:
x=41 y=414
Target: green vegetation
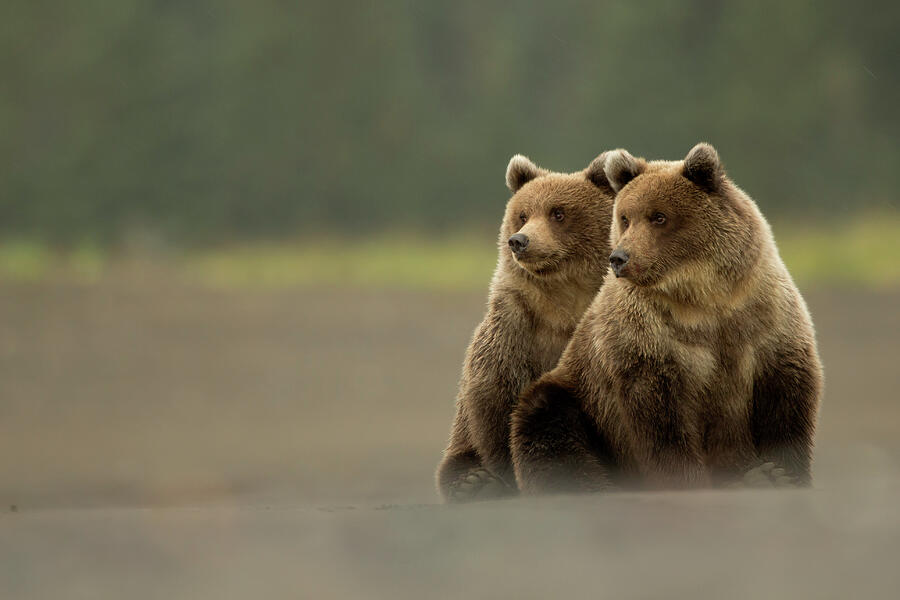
x=867 y=251
x=863 y=252
x=30 y=260
x=386 y=261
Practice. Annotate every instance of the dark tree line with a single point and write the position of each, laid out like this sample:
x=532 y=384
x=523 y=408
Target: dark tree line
x=209 y=120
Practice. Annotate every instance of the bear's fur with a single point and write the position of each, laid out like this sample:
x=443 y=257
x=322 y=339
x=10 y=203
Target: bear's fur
x=536 y=298
x=696 y=361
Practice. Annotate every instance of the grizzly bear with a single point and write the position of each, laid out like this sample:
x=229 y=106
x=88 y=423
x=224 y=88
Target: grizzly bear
x=696 y=361
x=554 y=244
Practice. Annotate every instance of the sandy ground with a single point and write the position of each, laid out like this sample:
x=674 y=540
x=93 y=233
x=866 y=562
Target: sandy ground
x=171 y=442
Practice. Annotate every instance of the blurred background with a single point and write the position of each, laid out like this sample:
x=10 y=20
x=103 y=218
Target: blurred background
x=189 y=125
x=243 y=246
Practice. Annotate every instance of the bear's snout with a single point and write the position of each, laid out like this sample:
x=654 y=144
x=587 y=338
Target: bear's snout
x=617 y=261
x=518 y=242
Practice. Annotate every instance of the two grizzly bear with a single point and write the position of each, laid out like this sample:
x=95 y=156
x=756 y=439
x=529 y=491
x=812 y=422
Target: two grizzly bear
x=696 y=361
x=554 y=248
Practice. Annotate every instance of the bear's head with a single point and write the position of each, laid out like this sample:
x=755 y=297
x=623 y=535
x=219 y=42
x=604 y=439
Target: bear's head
x=557 y=224
x=681 y=226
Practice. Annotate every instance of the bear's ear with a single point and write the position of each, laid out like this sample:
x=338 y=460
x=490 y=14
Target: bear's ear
x=621 y=167
x=595 y=173
x=703 y=167
x=520 y=171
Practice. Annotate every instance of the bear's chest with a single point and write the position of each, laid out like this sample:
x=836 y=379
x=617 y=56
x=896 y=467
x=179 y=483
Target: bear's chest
x=550 y=339
x=716 y=393
x=716 y=366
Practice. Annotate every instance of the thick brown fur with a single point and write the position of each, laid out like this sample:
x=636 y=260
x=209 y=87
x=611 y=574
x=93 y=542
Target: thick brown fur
x=536 y=299
x=697 y=363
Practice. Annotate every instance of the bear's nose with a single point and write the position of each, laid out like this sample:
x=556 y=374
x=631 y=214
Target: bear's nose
x=518 y=242
x=617 y=260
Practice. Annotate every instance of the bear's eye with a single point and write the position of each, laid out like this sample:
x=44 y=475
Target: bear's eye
x=658 y=219
x=557 y=214
x=522 y=217
x=624 y=221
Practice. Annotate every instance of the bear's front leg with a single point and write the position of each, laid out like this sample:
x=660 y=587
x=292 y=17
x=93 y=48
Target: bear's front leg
x=655 y=407
x=461 y=476
x=489 y=427
x=783 y=413
x=498 y=367
x=556 y=447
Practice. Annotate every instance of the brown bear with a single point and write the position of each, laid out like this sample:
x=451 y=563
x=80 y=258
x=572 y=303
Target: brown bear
x=696 y=361
x=554 y=244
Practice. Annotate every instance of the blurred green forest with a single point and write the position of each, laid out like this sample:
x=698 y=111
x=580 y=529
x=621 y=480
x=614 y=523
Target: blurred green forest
x=204 y=122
